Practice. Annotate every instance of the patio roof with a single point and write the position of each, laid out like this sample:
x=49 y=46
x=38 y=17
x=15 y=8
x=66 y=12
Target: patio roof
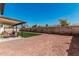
x=10 y=21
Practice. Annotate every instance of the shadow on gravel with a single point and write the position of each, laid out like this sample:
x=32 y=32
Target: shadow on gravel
x=74 y=46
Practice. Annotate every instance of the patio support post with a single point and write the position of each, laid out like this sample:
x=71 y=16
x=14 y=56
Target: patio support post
x=16 y=31
x=13 y=28
x=4 y=28
x=21 y=30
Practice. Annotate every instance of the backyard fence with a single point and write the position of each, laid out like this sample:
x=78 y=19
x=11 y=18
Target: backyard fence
x=55 y=29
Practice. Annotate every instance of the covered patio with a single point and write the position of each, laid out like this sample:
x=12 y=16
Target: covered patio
x=9 y=26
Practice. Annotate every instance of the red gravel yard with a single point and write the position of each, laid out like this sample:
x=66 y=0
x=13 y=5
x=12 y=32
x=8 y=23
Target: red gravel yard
x=41 y=45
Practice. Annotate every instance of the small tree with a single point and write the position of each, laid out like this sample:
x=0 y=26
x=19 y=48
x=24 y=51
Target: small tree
x=46 y=25
x=34 y=26
x=64 y=22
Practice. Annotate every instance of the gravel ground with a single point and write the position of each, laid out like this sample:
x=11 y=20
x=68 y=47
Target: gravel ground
x=41 y=45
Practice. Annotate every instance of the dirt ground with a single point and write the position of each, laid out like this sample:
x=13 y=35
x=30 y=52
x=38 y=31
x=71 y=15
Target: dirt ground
x=41 y=45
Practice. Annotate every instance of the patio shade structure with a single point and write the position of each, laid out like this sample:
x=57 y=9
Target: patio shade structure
x=10 y=21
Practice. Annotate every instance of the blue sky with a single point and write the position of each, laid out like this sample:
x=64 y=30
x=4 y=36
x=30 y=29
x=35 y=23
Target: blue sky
x=43 y=13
